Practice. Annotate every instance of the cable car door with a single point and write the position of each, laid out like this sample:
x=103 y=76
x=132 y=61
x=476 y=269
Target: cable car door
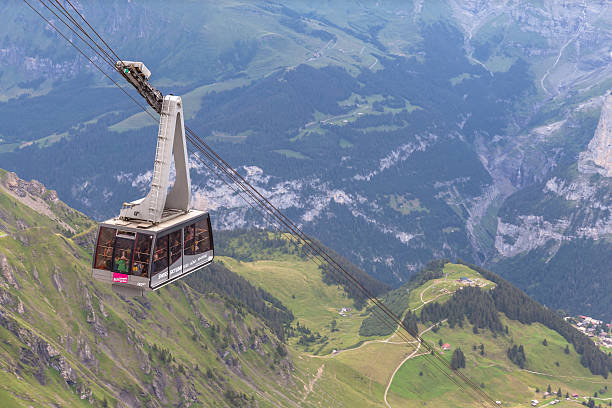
x=176 y=253
x=159 y=272
x=198 y=245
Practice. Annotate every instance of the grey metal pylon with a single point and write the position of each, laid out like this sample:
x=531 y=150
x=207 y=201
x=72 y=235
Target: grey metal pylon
x=170 y=142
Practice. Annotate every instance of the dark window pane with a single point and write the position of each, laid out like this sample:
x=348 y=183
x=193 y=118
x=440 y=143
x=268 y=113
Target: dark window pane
x=123 y=254
x=160 y=256
x=202 y=240
x=175 y=246
x=189 y=239
x=104 y=250
x=140 y=266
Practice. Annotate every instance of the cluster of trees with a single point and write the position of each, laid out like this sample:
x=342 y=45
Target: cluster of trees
x=516 y=305
x=471 y=303
x=433 y=270
x=164 y=355
x=307 y=336
x=248 y=245
x=218 y=279
x=398 y=301
x=457 y=360
x=410 y=322
x=332 y=276
x=517 y=355
x=238 y=399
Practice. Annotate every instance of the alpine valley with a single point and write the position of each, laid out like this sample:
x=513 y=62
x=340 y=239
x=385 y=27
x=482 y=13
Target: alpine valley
x=396 y=132
x=264 y=326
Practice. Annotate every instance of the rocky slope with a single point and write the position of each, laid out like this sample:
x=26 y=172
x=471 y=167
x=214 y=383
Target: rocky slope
x=565 y=211
x=68 y=341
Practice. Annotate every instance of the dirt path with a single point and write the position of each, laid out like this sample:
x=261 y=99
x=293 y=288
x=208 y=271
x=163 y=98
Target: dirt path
x=563 y=376
x=312 y=382
x=411 y=355
x=580 y=29
x=388 y=339
x=416 y=350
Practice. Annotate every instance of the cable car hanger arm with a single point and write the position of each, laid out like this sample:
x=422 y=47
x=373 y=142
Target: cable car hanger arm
x=137 y=74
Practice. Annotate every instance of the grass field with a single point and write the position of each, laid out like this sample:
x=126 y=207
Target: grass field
x=371 y=363
x=299 y=285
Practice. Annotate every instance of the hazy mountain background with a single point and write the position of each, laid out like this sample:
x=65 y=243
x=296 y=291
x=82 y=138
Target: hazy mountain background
x=395 y=132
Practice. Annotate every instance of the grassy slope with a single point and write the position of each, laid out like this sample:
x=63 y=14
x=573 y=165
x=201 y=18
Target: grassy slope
x=299 y=285
x=501 y=378
x=369 y=367
x=62 y=307
x=124 y=365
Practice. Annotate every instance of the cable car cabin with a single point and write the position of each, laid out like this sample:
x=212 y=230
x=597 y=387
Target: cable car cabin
x=137 y=257
x=156 y=239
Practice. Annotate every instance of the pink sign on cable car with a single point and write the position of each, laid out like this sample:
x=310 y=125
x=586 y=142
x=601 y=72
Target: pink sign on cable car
x=119 y=277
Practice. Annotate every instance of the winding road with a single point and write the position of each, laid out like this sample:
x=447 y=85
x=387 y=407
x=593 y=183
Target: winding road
x=411 y=355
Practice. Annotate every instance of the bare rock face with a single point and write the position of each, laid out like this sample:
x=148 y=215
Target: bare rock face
x=34 y=195
x=598 y=156
x=57 y=282
x=21 y=187
x=7 y=272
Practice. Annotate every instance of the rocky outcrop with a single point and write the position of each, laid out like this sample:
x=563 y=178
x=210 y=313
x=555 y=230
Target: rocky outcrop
x=7 y=272
x=36 y=196
x=39 y=354
x=598 y=156
x=531 y=232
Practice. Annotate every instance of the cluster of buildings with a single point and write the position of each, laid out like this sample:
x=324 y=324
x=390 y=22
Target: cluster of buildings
x=596 y=329
x=471 y=282
x=535 y=402
x=345 y=311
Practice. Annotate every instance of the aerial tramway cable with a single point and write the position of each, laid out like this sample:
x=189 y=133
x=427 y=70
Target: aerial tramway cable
x=297 y=233
x=259 y=202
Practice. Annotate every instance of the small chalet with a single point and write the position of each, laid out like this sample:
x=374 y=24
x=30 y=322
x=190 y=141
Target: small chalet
x=446 y=346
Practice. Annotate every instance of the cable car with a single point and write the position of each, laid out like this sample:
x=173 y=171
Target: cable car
x=157 y=239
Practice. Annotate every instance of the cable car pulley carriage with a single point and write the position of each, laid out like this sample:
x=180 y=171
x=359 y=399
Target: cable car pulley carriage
x=157 y=239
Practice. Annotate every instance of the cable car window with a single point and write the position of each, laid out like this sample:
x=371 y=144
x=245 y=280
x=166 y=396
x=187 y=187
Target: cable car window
x=189 y=240
x=123 y=254
x=160 y=256
x=142 y=254
x=176 y=253
x=104 y=250
x=202 y=239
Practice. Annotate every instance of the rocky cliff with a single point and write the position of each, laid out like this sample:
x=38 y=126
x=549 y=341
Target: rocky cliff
x=560 y=223
x=598 y=156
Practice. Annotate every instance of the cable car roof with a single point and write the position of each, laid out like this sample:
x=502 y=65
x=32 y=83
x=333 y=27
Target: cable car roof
x=142 y=225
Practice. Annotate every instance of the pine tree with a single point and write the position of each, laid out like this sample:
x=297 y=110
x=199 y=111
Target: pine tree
x=548 y=390
x=545 y=343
